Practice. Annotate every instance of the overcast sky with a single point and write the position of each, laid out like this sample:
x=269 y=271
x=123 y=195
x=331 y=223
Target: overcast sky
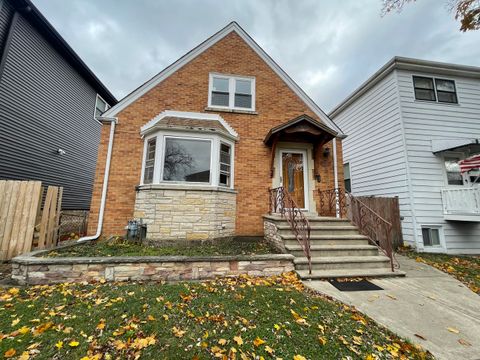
x=328 y=47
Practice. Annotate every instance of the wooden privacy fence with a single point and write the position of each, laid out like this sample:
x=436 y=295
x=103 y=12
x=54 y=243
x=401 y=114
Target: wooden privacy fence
x=24 y=222
x=389 y=209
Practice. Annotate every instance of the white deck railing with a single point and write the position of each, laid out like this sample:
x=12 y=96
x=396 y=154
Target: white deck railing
x=461 y=201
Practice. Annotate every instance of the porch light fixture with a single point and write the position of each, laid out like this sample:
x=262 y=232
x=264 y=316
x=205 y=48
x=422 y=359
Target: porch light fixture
x=326 y=152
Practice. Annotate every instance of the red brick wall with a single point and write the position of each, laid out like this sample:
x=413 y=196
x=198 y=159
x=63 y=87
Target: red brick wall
x=187 y=90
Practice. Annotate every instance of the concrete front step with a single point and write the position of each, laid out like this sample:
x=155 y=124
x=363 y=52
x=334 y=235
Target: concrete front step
x=322 y=230
x=348 y=273
x=356 y=239
x=312 y=220
x=334 y=250
x=343 y=262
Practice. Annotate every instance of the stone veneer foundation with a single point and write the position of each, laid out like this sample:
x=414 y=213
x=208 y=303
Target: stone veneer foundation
x=30 y=269
x=173 y=213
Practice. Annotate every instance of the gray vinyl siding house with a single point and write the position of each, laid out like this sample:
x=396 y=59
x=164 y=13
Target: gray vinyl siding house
x=398 y=145
x=48 y=129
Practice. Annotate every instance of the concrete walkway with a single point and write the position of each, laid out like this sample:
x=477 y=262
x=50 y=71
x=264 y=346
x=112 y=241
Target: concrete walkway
x=427 y=302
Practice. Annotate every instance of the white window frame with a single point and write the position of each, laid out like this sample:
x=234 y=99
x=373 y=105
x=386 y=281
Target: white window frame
x=434 y=79
x=454 y=154
x=231 y=91
x=432 y=248
x=219 y=163
x=107 y=106
x=215 y=141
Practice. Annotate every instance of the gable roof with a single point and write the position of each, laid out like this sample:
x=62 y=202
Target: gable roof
x=410 y=64
x=295 y=121
x=43 y=26
x=192 y=54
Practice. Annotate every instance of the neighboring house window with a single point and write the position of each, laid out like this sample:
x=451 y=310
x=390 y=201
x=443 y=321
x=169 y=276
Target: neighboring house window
x=149 y=161
x=431 y=236
x=441 y=90
x=446 y=91
x=232 y=92
x=186 y=160
x=346 y=177
x=424 y=89
x=454 y=177
x=225 y=164
x=100 y=106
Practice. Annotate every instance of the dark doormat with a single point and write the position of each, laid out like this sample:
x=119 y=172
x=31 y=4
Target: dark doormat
x=362 y=285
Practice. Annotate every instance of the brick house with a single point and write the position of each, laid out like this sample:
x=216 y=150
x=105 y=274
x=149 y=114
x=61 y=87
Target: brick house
x=194 y=150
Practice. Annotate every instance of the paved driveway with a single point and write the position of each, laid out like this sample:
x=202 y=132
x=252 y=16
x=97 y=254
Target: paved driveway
x=426 y=302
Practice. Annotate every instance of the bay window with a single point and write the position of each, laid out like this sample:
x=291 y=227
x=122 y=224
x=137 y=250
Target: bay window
x=231 y=92
x=225 y=165
x=149 y=161
x=187 y=159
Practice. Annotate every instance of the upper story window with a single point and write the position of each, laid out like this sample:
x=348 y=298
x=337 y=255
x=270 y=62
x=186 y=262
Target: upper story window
x=231 y=92
x=100 y=106
x=432 y=89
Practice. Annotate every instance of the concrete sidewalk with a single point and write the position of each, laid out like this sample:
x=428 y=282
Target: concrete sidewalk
x=426 y=302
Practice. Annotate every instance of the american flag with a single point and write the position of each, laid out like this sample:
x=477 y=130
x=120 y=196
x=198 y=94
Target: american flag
x=473 y=162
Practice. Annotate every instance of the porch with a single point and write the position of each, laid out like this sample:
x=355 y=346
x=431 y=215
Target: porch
x=461 y=204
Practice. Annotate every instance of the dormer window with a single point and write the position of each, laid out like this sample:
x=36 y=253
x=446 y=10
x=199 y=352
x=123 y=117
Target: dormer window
x=232 y=92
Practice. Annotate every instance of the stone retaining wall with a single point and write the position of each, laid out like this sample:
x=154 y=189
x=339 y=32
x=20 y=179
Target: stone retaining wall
x=272 y=236
x=172 y=214
x=28 y=269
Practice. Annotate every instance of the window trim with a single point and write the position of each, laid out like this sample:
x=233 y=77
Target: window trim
x=448 y=92
x=434 y=79
x=433 y=89
x=452 y=154
x=147 y=142
x=231 y=91
x=441 y=239
x=215 y=140
x=162 y=160
x=107 y=106
x=220 y=163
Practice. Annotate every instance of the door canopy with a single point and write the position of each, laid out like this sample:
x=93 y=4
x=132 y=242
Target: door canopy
x=302 y=129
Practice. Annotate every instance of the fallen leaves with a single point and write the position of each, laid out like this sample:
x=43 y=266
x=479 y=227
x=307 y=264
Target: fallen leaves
x=238 y=340
x=178 y=332
x=234 y=318
x=453 y=330
x=10 y=353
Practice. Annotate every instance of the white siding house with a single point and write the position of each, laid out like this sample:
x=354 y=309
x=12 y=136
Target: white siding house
x=406 y=125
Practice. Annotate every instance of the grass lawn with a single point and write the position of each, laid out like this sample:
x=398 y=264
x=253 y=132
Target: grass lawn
x=126 y=248
x=236 y=318
x=465 y=268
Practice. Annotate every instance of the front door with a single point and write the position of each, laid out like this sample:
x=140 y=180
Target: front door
x=294 y=175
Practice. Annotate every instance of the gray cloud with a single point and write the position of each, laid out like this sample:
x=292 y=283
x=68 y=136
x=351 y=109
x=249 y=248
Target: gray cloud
x=328 y=47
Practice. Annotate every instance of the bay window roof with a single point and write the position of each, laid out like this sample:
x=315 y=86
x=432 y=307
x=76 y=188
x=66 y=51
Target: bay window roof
x=189 y=121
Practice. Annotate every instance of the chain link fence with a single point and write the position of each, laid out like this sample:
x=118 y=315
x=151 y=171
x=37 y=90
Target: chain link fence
x=73 y=224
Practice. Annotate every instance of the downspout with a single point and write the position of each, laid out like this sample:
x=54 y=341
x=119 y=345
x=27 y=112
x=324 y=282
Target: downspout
x=113 y=122
x=335 y=177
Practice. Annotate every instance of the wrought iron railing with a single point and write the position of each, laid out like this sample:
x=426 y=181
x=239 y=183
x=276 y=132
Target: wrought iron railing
x=282 y=203
x=368 y=221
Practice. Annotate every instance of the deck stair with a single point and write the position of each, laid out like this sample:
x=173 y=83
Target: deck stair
x=337 y=248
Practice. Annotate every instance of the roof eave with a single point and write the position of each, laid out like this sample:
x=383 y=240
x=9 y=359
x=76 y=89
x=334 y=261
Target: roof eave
x=410 y=64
